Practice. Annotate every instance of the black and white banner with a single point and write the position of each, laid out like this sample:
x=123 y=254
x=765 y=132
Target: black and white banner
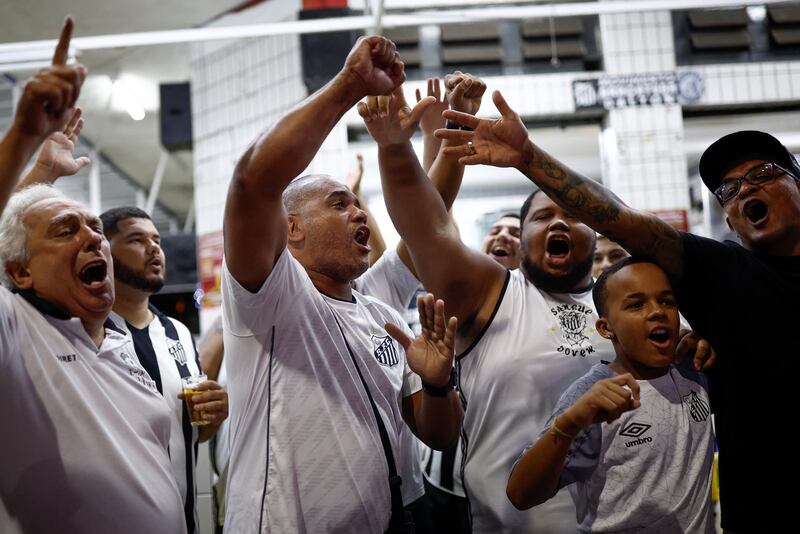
x=614 y=92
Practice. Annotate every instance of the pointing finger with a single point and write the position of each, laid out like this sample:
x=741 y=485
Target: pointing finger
x=62 y=48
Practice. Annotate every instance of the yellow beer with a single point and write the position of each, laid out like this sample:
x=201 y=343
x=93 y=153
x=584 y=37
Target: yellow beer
x=189 y=383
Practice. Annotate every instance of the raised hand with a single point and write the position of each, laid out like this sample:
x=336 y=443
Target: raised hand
x=374 y=66
x=353 y=180
x=605 y=401
x=432 y=118
x=499 y=142
x=48 y=98
x=464 y=92
x=431 y=354
x=389 y=119
x=692 y=345
x=56 y=157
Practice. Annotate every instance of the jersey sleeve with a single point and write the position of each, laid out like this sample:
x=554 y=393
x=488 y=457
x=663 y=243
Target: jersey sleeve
x=411 y=380
x=246 y=313
x=584 y=452
x=390 y=281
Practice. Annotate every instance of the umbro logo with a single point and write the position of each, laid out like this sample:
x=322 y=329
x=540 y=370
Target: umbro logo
x=636 y=430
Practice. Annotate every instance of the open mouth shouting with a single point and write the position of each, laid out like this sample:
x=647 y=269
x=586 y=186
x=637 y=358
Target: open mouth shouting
x=361 y=237
x=661 y=337
x=756 y=211
x=558 y=248
x=94 y=275
x=501 y=251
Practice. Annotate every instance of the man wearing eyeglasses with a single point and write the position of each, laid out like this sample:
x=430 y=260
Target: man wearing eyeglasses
x=743 y=298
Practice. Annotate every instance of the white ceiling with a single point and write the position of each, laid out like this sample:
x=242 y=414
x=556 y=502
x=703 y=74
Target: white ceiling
x=133 y=146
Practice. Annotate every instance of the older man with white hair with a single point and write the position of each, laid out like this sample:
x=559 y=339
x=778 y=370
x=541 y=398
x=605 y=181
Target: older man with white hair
x=90 y=431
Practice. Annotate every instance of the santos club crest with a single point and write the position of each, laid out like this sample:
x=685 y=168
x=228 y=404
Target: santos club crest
x=384 y=350
x=176 y=351
x=698 y=408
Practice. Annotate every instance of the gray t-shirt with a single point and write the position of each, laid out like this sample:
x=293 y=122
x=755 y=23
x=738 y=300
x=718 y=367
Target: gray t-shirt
x=650 y=470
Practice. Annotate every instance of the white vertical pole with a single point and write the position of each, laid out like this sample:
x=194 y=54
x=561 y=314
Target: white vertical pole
x=95 y=203
x=158 y=177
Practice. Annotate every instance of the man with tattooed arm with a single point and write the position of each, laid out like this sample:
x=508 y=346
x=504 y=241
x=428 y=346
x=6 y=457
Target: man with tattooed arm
x=739 y=297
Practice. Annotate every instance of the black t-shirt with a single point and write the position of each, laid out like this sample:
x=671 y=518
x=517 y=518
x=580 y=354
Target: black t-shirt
x=748 y=306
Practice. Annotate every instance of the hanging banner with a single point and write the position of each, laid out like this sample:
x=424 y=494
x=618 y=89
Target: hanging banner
x=655 y=89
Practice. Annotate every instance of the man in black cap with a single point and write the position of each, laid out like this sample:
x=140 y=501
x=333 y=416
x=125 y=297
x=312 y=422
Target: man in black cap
x=742 y=298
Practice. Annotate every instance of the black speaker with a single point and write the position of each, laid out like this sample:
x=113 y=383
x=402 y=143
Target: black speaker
x=176 y=116
x=324 y=53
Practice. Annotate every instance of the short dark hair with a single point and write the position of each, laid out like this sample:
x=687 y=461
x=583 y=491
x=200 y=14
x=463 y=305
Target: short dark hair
x=113 y=216
x=509 y=215
x=600 y=291
x=526 y=206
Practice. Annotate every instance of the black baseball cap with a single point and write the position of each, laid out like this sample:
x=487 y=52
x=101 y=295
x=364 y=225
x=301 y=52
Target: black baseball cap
x=736 y=148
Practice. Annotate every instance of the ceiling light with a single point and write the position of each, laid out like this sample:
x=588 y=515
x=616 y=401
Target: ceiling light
x=125 y=97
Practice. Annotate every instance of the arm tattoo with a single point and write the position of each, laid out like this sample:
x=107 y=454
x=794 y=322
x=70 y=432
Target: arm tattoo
x=577 y=193
x=640 y=233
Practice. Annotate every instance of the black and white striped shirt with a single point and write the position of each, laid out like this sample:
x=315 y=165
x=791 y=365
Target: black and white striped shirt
x=166 y=350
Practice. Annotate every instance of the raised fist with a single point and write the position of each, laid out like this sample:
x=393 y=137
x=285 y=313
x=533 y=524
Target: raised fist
x=374 y=66
x=464 y=92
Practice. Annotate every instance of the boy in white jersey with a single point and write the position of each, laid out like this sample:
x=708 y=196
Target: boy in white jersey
x=632 y=439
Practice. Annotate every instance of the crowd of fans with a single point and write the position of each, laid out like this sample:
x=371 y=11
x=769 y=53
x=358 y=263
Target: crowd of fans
x=533 y=394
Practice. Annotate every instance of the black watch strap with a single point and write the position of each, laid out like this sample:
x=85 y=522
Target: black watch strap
x=441 y=391
x=453 y=125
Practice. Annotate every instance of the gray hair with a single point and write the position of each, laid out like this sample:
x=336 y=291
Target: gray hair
x=13 y=233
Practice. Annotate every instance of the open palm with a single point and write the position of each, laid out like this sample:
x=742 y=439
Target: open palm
x=431 y=354
x=389 y=119
x=499 y=142
x=432 y=118
x=57 y=154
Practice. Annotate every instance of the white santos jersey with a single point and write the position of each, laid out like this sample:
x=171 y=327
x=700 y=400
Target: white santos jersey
x=306 y=455
x=165 y=349
x=390 y=281
x=649 y=470
x=87 y=431
x=534 y=347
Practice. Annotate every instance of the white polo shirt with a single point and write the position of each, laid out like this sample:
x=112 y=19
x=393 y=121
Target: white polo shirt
x=86 y=447
x=306 y=455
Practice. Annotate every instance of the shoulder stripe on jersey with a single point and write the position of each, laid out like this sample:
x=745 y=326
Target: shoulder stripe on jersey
x=269 y=413
x=465 y=439
x=491 y=318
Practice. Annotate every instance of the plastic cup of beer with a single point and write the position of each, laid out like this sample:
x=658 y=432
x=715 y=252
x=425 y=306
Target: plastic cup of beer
x=190 y=384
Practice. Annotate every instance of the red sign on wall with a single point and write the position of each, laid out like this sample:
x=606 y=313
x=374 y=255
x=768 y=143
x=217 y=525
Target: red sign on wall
x=209 y=266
